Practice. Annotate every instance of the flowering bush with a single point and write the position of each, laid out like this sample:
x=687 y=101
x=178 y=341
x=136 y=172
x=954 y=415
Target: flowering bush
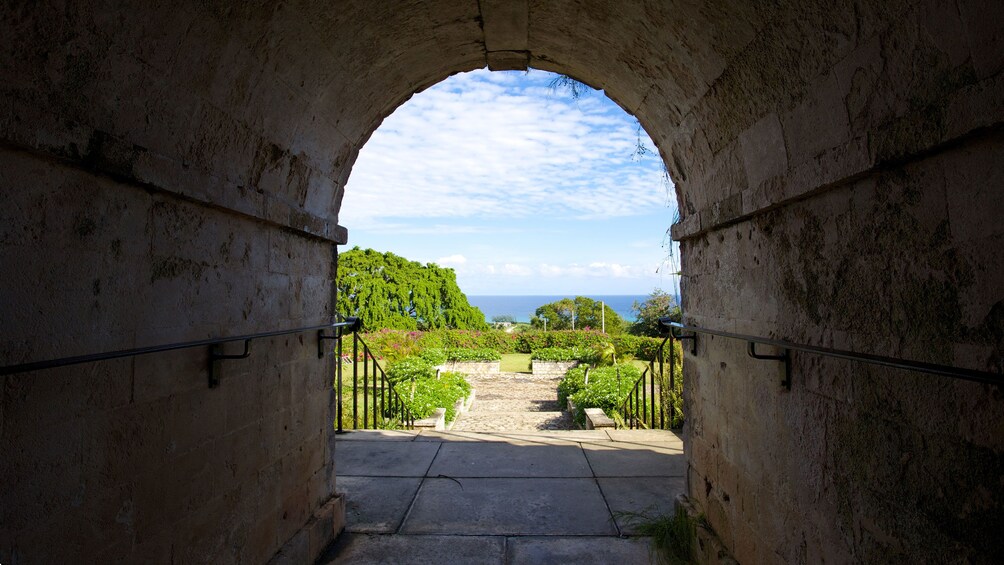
x=528 y=342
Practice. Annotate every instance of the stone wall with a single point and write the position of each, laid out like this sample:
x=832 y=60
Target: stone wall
x=877 y=464
x=473 y=367
x=174 y=171
x=137 y=458
x=859 y=215
x=146 y=201
x=551 y=368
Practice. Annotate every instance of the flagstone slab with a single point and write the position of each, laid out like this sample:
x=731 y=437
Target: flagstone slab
x=384 y=458
x=635 y=500
x=505 y=459
x=381 y=435
x=507 y=506
x=354 y=548
x=634 y=460
x=376 y=504
x=578 y=550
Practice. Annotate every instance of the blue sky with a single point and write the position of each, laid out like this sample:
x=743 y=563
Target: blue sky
x=521 y=188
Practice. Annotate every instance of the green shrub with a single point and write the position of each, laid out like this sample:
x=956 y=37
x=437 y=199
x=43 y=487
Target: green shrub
x=468 y=354
x=564 y=354
x=423 y=396
x=408 y=369
x=607 y=388
x=645 y=348
x=435 y=356
x=572 y=382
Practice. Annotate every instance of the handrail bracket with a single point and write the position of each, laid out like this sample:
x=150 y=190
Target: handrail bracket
x=216 y=358
x=692 y=337
x=784 y=357
x=320 y=341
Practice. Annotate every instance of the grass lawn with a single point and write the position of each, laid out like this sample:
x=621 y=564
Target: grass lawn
x=515 y=363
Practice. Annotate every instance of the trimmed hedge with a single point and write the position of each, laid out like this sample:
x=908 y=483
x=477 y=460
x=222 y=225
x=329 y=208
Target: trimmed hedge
x=394 y=344
x=564 y=354
x=528 y=342
x=464 y=354
x=639 y=347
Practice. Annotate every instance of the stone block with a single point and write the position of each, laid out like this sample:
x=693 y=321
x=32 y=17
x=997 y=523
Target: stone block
x=551 y=368
x=818 y=123
x=597 y=419
x=435 y=422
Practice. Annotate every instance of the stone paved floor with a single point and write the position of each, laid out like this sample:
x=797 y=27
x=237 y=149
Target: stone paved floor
x=502 y=498
x=514 y=402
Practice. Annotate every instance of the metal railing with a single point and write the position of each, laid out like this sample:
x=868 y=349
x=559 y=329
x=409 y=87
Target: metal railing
x=932 y=368
x=216 y=355
x=382 y=406
x=654 y=401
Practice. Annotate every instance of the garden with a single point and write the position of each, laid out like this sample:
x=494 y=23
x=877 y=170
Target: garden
x=599 y=371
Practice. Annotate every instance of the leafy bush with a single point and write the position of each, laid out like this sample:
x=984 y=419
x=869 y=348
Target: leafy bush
x=564 y=354
x=410 y=368
x=423 y=396
x=645 y=348
x=573 y=381
x=435 y=356
x=467 y=354
x=607 y=388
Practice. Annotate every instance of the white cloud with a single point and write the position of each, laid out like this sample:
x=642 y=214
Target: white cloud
x=456 y=259
x=515 y=270
x=479 y=145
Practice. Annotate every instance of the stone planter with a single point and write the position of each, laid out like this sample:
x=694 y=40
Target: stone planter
x=472 y=367
x=552 y=368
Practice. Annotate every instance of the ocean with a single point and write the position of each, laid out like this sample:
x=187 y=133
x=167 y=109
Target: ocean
x=522 y=307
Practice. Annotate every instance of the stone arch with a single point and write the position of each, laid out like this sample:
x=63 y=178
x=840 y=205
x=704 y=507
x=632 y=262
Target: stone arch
x=174 y=172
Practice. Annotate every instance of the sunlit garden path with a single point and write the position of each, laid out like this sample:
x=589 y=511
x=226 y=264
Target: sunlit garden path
x=514 y=402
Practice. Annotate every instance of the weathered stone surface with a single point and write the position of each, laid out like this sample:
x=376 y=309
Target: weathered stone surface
x=565 y=506
x=552 y=549
x=418 y=550
x=174 y=172
x=376 y=504
x=396 y=459
x=511 y=459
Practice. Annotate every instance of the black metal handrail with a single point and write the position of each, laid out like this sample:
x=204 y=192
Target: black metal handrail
x=920 y=366
x=652 y=395
x=215 y=355
x=386 y=402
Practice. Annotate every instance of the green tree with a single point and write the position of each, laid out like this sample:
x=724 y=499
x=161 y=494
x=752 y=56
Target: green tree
x=658 y=304
x=587 y=313
x=503 y=319
x=388 y=291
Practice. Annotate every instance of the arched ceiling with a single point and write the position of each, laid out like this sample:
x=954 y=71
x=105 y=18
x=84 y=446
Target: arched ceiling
x=261 y=107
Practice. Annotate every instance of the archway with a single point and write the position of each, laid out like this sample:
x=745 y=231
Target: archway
x=184 y=165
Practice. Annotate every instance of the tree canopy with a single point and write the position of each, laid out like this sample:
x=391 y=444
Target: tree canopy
x=389 y=291
x=586 y=311
x=657 y=305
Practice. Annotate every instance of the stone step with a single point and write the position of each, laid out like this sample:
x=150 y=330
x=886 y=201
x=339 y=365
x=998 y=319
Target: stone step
x=398 y=548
